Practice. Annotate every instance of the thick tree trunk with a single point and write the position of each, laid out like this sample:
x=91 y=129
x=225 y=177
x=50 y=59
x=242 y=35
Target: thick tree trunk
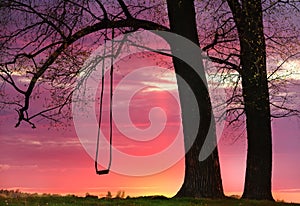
x=202 y=178
x=249 y=22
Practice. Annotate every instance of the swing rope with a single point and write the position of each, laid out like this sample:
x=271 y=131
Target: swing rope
x=105 y=171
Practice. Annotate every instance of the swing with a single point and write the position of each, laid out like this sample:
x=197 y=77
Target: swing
x=105 y=171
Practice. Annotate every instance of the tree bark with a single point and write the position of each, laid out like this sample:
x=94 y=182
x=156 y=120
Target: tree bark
x=202 y=178
x=249 y=21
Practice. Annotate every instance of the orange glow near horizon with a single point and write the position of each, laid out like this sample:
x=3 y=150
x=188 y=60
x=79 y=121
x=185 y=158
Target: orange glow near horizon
x=76 y=176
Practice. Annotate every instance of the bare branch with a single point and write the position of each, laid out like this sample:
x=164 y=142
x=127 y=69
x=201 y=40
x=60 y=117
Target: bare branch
x=125 y=9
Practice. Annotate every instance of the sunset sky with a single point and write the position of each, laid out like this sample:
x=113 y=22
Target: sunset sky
x=53 y=160
x=61 y=159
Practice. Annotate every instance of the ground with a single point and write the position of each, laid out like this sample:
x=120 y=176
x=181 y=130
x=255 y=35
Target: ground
x=71 y=200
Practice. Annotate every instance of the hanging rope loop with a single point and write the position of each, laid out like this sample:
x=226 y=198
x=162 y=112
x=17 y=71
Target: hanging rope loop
x=106 y=171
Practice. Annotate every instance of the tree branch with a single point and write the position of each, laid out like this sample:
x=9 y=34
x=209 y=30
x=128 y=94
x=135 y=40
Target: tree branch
x=125 y=9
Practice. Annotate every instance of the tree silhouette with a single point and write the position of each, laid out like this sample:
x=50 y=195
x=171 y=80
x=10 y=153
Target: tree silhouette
x=248 y=18
x=202 y=178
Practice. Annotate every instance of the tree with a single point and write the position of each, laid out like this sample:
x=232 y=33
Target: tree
x=202 y=178
x=239 y=44
x=51 y=33
x=249 y=21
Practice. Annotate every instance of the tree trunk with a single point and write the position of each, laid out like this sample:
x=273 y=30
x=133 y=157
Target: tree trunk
x=249 y=22
x=202 y=178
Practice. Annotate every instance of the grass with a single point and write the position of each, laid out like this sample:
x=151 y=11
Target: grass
x=56 y=200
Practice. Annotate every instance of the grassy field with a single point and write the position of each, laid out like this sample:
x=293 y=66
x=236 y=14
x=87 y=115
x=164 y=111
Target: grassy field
x=51 y=200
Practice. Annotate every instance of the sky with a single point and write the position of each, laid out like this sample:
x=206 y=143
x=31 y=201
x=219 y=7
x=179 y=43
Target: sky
x=59 y=160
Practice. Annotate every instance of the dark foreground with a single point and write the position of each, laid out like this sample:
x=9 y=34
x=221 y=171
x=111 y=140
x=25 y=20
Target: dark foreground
x=51 y=200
